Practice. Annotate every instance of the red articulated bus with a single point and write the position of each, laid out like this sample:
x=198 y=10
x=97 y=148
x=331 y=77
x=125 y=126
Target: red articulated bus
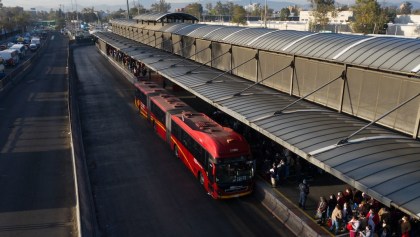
x=161 y=107
x=218 y=156
x=143 y=92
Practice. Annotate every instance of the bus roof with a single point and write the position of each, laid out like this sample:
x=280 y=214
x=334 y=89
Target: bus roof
x=147 y=87
x=219 y=141
x=169 y=102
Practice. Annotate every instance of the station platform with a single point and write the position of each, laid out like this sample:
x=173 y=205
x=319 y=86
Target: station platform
x=281 y=201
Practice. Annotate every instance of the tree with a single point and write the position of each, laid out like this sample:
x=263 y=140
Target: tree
x=209 y=6
x=321 y=9
x=239 y=15
x=405 y=8
x=368 y=17
x=284 y=14
x=195 y=9
x=257 y=11
x=221 y=9
x=162 y=6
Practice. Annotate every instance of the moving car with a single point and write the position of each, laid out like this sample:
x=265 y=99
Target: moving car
x=21 y=49
x=33 y=47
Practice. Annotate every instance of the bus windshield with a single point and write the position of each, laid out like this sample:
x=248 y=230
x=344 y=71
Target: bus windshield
x=233 y=172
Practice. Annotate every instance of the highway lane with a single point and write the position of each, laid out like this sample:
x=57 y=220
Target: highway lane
x=36 y=175
x=138 y=186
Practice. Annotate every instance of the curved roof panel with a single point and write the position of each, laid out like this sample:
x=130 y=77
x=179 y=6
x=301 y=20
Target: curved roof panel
x=384 y=53
x=202 y=32
x=162 y=16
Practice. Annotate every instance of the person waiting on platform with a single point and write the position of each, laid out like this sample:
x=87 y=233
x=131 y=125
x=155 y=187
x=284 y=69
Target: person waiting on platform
x=367 y=232
x=336 y=217
x=405 y=227
x=321 y=211
x=332 y=202
x=353 y=226
x=303 y=194
x=273 y=175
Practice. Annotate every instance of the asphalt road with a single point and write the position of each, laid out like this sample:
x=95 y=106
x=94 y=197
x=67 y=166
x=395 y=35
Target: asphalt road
x=36 y=175
x=139 y=188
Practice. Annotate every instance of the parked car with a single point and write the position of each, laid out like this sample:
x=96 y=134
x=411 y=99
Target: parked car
x=10 y=44
x=10 y=56
x=21 y=49
x=33 y=47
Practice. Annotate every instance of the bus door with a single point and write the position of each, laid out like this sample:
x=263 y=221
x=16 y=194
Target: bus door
x=148 y=103
x=209 y=164
x=168 y=126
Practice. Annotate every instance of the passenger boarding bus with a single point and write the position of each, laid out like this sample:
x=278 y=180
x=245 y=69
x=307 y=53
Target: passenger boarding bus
x=218 y=156
x=142 y=94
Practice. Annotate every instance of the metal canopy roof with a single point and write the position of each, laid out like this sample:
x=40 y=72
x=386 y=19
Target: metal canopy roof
x=382 y=163
x=377 y=52
x=162 y=16
x=386 y=53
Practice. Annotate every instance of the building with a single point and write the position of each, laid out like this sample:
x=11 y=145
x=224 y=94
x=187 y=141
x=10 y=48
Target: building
x=342 y=17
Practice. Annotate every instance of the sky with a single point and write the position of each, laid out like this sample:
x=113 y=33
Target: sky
x=68 y=4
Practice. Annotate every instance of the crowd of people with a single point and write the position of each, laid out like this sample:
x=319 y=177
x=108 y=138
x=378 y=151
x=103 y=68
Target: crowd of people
x=349 y=211
x=362 y=216
x=137 y=68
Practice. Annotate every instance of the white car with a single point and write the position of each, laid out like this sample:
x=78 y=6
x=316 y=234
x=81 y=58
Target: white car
x=33 y=47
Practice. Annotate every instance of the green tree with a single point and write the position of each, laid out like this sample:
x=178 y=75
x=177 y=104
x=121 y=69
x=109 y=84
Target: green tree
x=221 y=9
x=120 y=13
x=239 y=15
x=406 y=8
x=295 y=10
x=162 y=6
x=284 y=14
x=195 y=9
x=257 y=11
x=209 y=6
x=368 y=17
x=321 y=8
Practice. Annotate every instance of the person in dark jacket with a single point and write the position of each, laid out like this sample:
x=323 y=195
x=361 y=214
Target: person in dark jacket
x=303 y=194
x=332 y=202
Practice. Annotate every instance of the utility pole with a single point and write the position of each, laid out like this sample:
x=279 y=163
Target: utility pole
x=265 y=14
x=128 y=11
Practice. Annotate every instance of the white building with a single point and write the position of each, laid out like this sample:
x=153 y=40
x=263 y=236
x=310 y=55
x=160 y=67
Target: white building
x=342 y=17
x=252 y=7
x=405 y=25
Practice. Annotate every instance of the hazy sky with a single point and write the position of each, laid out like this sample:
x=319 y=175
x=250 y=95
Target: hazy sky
x=26 y=4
